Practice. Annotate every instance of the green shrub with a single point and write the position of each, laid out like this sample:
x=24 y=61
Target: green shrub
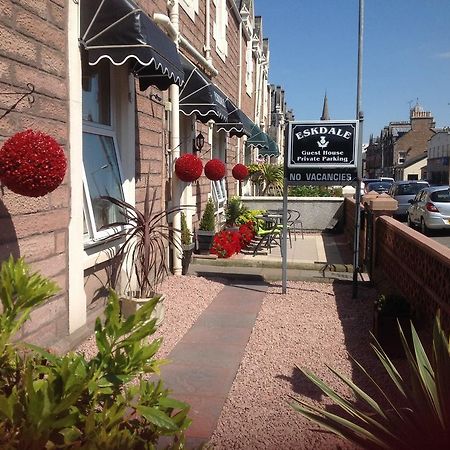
x=208 y=220
x=49 y=401
x=314 y=191
x=186 y=236
x=233 y=210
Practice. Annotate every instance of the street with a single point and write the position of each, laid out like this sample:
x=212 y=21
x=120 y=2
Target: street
x=441 y=236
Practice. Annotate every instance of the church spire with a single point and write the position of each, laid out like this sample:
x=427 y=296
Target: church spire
x=325 y=115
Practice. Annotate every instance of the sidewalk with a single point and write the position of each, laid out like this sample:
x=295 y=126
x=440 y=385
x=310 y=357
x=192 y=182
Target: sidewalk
x=205 y=362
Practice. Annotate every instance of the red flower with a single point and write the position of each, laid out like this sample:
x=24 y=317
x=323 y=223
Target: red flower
x=215 y=169
x=188 y=167
x=32 y=163
x=240 y=172
x=226 y=243
x=247 y=233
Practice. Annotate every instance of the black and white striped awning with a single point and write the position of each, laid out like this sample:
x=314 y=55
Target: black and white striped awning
x=121 y=32
x=238 y=124
x=200 y=96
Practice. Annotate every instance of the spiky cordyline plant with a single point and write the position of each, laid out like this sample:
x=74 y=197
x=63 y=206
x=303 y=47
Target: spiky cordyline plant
x=419 y=419
x=143 y=252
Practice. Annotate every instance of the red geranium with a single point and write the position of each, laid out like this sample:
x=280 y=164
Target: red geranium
x=240 y=172
x=188 y=167
x=32 y=163
x=226 y=243
x=215 y=169
x=247 y=233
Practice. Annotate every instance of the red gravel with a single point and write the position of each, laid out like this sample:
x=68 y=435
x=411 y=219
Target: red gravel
x=311 y=326
x=314 y=324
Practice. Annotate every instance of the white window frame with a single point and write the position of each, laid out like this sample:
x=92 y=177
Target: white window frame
x=249 y=68
x=220 y=28
x=95 y=236
x=190 y=7
x=220 y=196
x=219 y=145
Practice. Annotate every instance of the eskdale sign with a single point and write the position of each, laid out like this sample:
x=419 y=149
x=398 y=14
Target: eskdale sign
x=321 y=152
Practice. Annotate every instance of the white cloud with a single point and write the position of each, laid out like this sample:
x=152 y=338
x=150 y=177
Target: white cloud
x=445 y=55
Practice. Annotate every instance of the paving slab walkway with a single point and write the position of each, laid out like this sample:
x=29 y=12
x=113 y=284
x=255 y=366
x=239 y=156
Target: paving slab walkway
x=206 y=360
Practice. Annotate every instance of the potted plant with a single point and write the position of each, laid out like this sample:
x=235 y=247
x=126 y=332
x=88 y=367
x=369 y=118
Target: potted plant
x=142 y=253
x=206 y=228
x=388 y=310
x=233 y=210
x=186 y=244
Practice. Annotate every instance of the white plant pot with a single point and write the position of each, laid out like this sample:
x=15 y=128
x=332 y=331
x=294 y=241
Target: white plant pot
x=131 y=304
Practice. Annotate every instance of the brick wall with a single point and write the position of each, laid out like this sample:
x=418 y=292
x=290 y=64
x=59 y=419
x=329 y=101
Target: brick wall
x=408 y=263
x=33 y=50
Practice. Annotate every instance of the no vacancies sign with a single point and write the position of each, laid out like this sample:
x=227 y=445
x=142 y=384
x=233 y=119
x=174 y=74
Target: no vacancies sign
x=321 y=152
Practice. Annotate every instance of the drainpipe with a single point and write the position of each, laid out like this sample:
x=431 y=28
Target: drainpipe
x=173 y=31
x=239 y=87
x=177 y=188
x=207 y=46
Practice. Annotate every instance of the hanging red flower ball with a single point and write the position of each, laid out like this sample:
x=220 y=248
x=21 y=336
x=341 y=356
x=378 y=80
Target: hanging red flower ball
x=32 y=163
x=215 y=169
x=240 y=172
x=188 y=167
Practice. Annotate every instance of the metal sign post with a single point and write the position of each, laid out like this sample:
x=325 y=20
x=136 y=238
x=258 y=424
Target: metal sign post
x=360 y=117
x=284 y=243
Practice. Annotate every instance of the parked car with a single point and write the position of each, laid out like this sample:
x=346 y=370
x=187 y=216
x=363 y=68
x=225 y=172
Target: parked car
x=430 y=209
x=378 y=186
x=403 y=192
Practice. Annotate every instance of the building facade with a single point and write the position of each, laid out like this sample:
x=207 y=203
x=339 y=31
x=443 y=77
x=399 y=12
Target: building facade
x=400 y=143
x=124 y=106
x=438 y=157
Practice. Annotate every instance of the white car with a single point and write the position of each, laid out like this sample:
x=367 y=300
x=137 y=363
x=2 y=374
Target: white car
x=430 y=209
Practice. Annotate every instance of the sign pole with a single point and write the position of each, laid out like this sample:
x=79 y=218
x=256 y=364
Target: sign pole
x=359 y=117
x=284 y=243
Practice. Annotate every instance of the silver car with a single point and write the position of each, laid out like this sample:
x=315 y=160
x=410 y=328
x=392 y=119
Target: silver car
x=430 y=209
x=403 y=192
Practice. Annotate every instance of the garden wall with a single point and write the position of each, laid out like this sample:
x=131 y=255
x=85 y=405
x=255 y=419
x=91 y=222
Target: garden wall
x=317 y=213
x=407 y=262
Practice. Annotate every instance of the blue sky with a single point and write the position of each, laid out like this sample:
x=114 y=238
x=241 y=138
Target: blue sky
x=406 y=56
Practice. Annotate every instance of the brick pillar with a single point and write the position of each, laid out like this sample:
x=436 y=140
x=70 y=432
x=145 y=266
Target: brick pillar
x=379 y=205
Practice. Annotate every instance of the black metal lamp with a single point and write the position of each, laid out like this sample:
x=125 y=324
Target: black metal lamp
x=199 y=142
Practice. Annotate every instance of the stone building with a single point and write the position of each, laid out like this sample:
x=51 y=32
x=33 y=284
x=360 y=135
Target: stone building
x=124 y=87
x=438 y=157
x=400 y=142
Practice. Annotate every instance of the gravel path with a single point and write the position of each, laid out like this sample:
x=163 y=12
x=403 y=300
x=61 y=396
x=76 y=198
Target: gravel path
x=186 y=298
x=314 y=324
x=306 y=327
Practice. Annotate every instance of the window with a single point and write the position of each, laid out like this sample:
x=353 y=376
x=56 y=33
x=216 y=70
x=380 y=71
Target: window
x=219 y=192
x=249 y=68
x=220 y=28
x=191 y=7
x=101 y=162
x=219 y=145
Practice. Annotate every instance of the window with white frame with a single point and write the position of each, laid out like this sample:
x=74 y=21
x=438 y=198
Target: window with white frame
x=219 y=145
x=249 y=68
x=190 y=7
x=219 y=192
x=102 y=174
x=220 y=28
